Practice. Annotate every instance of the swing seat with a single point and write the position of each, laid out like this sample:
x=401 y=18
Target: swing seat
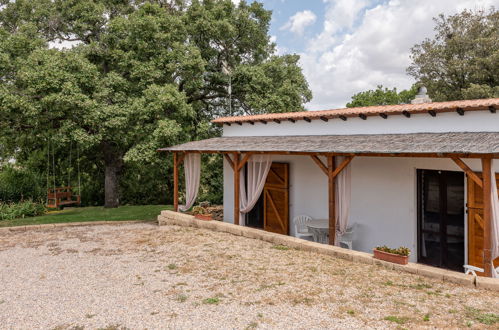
x=62 y=196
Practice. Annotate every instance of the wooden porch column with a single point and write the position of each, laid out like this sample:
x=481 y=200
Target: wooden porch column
x=332 y=199
x=175 y=182
x=235 y=161
x=487 y=215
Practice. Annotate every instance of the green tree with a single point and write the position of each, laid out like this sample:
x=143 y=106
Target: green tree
x=382 y=96
x=140 y=75
x=461 y=60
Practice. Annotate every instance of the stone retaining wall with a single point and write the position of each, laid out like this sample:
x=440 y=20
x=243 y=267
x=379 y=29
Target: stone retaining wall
x=180 y=219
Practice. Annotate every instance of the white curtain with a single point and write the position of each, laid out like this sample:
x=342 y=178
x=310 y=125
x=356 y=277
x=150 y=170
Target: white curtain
x=257 y=168
x=192 y=170
x=343 y=188
x=495 y=217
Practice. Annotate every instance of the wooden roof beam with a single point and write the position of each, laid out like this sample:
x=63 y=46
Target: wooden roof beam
x=406 y=113
x=229 y=160
x=469 y=172
x=277 y=121
x=363 y=116
x=244 y=160
x=432 y=113
x=344 y=118
x=460 y=111
x=319 y=163
x=324 y=118
x=340 y=167
x=308 y=120
x=263 y=122
x=492 y=109
x=383 y=115
x=292 y=120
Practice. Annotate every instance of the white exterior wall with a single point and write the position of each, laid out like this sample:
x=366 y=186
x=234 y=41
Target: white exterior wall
x=384 y=189
x=477 y=121
x=384 y=196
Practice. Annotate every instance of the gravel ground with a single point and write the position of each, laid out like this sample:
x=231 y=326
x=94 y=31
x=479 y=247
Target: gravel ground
x=141 y=276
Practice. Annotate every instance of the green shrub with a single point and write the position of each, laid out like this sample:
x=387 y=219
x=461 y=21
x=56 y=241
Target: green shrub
x=403 y=251
x=17 y=184
x=26 y=208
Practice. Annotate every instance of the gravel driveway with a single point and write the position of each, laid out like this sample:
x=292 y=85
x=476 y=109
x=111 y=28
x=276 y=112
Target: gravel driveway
x=141 y=276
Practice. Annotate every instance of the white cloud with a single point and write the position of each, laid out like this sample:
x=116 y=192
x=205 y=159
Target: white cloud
x=359 y=48
x=299 y=21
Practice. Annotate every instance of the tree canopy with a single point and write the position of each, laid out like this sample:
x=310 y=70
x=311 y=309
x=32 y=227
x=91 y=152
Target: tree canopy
x=382 y=96
x=137 y=75
x=461 y=60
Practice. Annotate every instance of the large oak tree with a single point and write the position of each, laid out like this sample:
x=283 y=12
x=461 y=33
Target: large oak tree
x=135 y=75
x=462 y=60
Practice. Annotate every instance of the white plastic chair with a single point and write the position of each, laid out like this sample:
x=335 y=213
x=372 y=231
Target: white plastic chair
x=469 y=269
x=346 y=240
x=301 y=226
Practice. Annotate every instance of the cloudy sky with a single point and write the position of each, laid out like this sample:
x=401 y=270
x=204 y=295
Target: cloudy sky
x=347 y=46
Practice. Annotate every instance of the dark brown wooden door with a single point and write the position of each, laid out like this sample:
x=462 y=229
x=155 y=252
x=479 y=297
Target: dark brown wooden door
x=475 y=223
x=276 y=199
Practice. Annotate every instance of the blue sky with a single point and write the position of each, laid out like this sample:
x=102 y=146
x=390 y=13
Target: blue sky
x=348 y=46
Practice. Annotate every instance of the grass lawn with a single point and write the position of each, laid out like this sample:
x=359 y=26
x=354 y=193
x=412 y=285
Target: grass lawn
x=94 y=213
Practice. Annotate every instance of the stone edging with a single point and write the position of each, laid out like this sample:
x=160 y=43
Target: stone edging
x=185 y=220
x=72 y=224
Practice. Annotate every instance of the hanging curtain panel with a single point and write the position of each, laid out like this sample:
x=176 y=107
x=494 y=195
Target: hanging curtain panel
x=495 y=218
x=343 y=188
x=192 y=170
x=257 y=168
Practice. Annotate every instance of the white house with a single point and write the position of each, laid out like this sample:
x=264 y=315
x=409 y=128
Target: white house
x=405 y=175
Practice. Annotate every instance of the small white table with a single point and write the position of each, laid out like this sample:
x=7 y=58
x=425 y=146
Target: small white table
x=319 y=229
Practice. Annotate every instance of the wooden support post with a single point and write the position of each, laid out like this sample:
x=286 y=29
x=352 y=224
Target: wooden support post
x=487 y=215
x=235 y=161
x=175 y=182
x=332 y=199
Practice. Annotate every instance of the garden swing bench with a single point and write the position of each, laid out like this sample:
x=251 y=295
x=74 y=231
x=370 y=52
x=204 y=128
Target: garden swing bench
x=58 y=197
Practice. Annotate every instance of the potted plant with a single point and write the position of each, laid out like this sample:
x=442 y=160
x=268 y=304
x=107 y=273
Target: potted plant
x=201 y=213
x=399 y=256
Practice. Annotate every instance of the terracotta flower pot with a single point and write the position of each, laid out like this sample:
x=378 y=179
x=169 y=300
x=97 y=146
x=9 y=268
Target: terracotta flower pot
x=391 y=257
x=205 y=217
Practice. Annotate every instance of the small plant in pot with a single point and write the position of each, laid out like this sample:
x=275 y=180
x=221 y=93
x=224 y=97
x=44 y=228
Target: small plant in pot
x=399 y=255
x=201 y=213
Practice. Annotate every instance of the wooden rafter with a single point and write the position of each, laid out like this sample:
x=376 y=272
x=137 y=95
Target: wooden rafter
x=229 y=160
x=244 y=160
x=343 y=164
x=319 y=163
x=469 y=172
x=180 y=159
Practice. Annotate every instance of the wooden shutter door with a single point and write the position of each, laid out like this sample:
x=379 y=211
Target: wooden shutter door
x=276 y=199
x=475 y=223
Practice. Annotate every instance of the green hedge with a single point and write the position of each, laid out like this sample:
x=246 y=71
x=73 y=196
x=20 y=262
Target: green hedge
x=18 y=184
x=27 y=208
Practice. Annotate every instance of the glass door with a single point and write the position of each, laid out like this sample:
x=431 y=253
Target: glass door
x=441 y=218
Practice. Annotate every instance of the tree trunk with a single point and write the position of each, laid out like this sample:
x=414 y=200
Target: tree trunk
x=111 y=184
x=113 y=163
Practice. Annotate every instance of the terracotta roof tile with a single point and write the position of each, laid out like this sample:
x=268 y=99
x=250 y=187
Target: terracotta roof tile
x=466 y=105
